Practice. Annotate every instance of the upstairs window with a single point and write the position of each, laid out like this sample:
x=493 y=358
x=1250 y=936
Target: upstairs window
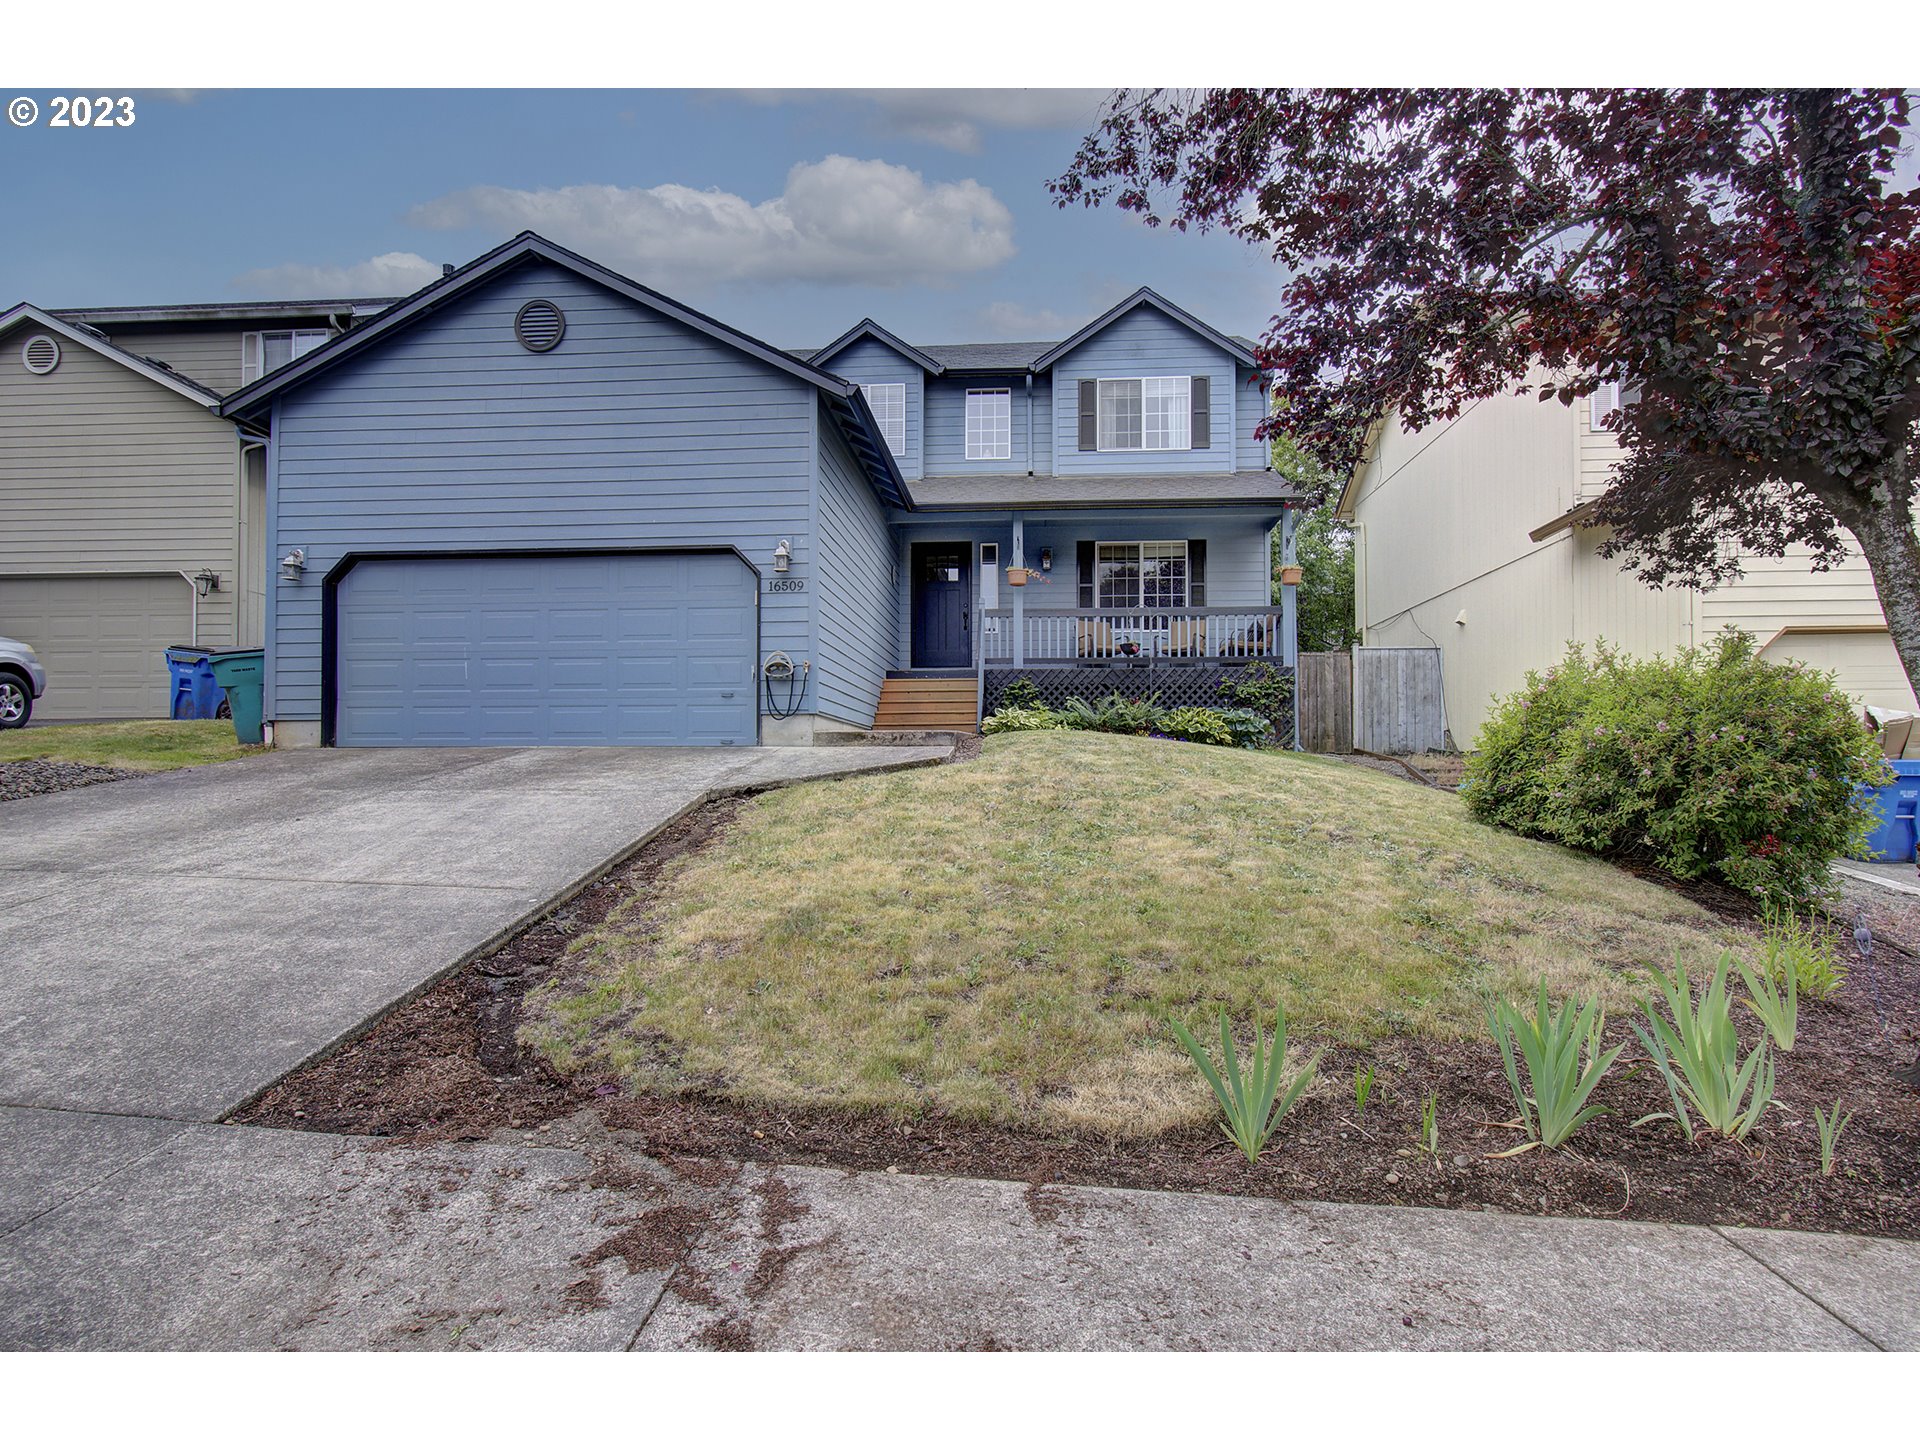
x=1608 y=398
x=1141 y=575
x=989 y=424
x=1147 y=414
x=263 y=351
x=889 y=406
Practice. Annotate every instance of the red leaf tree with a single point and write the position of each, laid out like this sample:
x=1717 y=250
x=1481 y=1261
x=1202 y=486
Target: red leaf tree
x=1741 y=260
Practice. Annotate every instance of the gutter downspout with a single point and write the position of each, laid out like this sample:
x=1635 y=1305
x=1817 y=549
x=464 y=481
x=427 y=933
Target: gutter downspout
x=1030 y=465
x=193 y=589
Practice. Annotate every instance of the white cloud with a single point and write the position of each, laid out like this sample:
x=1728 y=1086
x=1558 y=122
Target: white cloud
x=399 y=272
x=955 y=118
x=1014 y=321
x=839 y=221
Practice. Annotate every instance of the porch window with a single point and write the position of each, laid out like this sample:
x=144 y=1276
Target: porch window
x=889 y=406
x=1141 y=574
x=263 y=351
x=1148 y=414
x=989 y=424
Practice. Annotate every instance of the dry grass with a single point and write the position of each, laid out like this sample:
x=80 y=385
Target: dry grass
x=1004 y=939
x=128 y=744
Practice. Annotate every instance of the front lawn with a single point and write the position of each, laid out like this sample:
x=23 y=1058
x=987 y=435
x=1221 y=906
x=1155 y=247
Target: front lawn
x=1003 y=940
x=127 y=745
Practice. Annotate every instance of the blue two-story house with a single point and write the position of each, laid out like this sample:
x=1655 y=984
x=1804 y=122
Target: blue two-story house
x=539 y=503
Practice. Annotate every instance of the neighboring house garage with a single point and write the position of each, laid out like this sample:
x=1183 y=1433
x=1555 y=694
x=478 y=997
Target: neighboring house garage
x=538 y=504
x=121 y=529
x=608 y=649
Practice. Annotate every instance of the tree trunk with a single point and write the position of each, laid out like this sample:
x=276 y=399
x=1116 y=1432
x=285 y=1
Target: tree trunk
x=1892 y=550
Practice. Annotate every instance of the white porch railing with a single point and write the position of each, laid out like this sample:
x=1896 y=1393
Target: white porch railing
x=1106 y=637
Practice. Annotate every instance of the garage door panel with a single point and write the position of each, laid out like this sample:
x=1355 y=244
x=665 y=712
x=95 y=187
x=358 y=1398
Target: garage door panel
x=546 y=650
x=102 y=638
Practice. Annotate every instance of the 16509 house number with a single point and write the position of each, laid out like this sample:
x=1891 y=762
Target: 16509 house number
x=786 y=584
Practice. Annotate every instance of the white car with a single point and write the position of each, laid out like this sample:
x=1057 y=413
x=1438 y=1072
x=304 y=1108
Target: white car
x=23 y=680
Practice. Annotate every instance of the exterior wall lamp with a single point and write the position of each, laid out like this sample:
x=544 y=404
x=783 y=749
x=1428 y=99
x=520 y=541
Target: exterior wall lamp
x=1046 y=560
x=293 y=564
x=206 y=582
x=782 y=558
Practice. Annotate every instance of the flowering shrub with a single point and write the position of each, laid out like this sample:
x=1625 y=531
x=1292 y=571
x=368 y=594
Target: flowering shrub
x=1714 y=763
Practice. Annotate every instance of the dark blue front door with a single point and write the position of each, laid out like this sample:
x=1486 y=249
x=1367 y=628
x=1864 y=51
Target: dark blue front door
x=942 y=606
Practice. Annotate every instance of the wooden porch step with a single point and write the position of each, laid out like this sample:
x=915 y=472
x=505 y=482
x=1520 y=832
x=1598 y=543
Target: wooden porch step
x=924 y=704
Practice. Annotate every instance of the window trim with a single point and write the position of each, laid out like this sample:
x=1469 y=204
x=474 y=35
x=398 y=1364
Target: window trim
x=899 y=452
x=987 y=450
x=1597 y=412
x=1139 y=548
x=253 y=349
x=1181 y=429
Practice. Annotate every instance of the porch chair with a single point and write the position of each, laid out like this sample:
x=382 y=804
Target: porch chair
x=1256 y=639
x=1096 y=640
x=1187 y=638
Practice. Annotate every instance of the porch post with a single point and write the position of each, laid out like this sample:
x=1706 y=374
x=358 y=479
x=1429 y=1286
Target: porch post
x=1289 y=599
x=1019 y=592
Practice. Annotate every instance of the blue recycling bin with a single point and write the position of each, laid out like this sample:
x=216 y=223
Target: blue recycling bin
x=196 y=694
x=1896 y=813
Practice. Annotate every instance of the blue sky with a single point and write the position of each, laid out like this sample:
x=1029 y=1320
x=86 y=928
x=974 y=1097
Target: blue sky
x=788 y=214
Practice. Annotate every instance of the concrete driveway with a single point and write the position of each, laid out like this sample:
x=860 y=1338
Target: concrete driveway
x=172 y=945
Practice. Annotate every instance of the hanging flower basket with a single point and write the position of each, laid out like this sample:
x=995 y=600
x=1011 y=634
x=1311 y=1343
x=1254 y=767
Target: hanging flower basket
x=1017 y=575
x=1290 y=574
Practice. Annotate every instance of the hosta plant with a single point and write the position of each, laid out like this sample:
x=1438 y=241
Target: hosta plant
x=1251 y=1101
x=1698 y=1054
x=1559 y=1048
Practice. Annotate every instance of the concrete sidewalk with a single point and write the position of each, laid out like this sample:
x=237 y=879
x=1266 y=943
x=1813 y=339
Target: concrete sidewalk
x=145 y=1234
x=171 y=945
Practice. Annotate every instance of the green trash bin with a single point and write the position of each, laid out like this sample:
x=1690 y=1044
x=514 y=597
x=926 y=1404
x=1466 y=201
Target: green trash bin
x=242 y=674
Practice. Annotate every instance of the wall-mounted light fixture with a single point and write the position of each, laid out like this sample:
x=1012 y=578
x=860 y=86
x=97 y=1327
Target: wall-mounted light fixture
x=206 y=582
x=1046 y=559
x=782 y=558
x=293 y=564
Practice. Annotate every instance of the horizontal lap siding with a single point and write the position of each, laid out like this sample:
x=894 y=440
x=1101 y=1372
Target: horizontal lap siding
x=946 y=436
x=1250 y=408
x=868 y=362
x=1144 y=343
x=853 y=591
x=635 y=431
x=103 y=471
x=208 y=354
x=1238 y=569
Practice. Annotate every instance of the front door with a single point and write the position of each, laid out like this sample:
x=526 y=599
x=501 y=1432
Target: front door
x=942 y=606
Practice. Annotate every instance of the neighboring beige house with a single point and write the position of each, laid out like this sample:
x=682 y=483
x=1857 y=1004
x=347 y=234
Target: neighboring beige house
x=1468 y=535
x=129 y=510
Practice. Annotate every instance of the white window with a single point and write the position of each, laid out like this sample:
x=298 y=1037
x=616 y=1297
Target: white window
x=1140 y=574
x=263 y=351
x=889 y=406
x=1602 y=403
x=1150 y=414
x=989 y=424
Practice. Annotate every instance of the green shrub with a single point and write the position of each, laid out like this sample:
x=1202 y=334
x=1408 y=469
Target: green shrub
x=1801 y=952
x=1021 y=694
x=1195 y=722
x=1253 y=1103
x=1559 y=1047
x=1036 y=718
x=1250 y=729
x=1697 y=1051
x=1265 y=689
x=1715 y=763
x=1115 y=714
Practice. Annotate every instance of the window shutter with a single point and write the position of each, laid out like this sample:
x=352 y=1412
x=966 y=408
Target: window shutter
x=1196 y=571
x=1200 y=431
x=1089 y=414
x=1084 y=553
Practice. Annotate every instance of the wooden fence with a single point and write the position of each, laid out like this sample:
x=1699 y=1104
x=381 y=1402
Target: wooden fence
x=1377 y=698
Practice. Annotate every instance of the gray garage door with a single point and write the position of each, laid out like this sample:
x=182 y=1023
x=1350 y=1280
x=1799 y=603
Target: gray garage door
x=560 y=650
x=103 y=640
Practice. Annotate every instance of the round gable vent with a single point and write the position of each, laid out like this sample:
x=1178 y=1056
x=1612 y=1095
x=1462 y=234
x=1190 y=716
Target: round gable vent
x=539 y=325
x=40 y=354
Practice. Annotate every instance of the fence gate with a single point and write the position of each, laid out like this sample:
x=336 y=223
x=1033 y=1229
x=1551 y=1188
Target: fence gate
x=1398 y=707
x=1325 y=687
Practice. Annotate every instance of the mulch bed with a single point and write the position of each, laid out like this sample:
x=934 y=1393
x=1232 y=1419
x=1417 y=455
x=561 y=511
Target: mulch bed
x=447 y=1066
x=21 y=778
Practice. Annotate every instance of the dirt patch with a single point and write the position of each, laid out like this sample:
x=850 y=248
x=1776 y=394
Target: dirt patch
x=445 y=1067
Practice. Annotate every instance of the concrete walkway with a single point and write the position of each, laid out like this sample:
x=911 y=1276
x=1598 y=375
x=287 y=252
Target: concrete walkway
x=127 y=1233
x=169 y=946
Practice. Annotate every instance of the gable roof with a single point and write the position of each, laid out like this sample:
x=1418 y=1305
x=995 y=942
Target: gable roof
x=222 y=310
x=869 y=329
x=84 y=336
x=843 y=397
x=1239 y=349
